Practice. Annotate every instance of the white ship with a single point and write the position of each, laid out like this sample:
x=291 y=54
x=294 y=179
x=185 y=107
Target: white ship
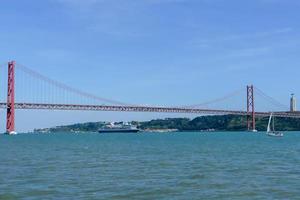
x=119 y=128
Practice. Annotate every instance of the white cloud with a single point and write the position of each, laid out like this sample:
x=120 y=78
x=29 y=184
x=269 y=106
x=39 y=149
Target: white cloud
x=205 y=42
x=90 y=3
x=294 y=2
x=248 y=52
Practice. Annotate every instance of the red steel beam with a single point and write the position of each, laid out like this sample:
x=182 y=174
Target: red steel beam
x=10 y=120
x=74 y=107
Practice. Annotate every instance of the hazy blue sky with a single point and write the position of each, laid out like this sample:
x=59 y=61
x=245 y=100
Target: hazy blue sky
x=161 y=52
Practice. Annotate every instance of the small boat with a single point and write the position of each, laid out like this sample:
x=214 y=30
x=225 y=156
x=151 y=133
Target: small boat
x=272 y=132
x=12 y=133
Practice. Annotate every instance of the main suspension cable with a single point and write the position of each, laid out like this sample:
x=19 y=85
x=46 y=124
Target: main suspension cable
x=66 y=87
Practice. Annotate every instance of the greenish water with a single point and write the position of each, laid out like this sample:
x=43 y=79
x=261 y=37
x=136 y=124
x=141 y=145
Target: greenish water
x=150 y=166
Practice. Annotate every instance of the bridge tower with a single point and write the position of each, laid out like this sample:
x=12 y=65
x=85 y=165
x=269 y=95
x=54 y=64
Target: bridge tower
x=10 y=120
x=250 y=109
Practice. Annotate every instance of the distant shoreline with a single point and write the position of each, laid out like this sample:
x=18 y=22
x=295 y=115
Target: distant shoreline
x=230 y=123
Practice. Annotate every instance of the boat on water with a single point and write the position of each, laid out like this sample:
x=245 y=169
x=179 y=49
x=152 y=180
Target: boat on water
x=271 y=131
x=12 y=133
x=119 y=128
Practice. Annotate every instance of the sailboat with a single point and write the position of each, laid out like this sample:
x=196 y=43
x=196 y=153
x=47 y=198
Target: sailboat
x=270 y=132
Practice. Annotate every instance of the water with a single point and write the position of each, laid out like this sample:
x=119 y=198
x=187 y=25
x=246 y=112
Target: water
x=150 y=166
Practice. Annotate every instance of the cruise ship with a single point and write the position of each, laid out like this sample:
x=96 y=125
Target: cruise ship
x=119 y=128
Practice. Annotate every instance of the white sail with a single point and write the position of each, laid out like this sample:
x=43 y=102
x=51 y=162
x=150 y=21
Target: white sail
x=271 y=132
x=269 y=124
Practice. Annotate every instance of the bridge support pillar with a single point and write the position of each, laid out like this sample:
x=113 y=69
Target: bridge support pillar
x=10 y=120
x=250 y=109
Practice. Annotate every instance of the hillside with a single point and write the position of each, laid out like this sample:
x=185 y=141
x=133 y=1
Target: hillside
x=218 y=123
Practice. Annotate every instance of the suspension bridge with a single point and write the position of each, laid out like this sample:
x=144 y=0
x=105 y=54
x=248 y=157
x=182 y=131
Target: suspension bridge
x=54 y=95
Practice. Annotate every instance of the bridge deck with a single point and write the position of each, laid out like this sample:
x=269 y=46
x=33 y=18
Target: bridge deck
x=144 y=109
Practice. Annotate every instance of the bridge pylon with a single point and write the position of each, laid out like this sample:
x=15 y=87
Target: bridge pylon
x=250 y=109
x=10 y=117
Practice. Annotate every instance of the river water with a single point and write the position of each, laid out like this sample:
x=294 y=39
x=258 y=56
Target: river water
x=150 y=166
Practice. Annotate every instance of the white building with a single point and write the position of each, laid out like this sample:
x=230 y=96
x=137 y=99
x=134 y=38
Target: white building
x=293 y=104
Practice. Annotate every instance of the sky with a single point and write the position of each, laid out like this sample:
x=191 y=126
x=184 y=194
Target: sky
x=152 y=52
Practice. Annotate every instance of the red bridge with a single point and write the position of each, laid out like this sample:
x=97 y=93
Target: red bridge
x=116 y=106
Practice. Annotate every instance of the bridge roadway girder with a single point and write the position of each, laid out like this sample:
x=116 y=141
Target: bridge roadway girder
x=39 y=106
